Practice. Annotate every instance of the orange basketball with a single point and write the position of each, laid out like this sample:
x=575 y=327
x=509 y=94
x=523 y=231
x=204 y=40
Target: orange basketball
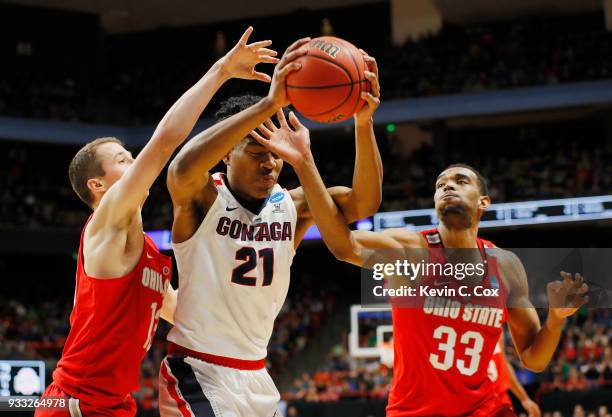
x=328 y=87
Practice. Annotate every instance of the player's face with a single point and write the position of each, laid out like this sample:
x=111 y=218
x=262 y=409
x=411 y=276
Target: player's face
x=457 y=198
x=252 y=169
x=115 y=161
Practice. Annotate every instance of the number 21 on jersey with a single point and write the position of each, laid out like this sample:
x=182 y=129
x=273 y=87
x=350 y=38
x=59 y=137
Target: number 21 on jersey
x=240 y=274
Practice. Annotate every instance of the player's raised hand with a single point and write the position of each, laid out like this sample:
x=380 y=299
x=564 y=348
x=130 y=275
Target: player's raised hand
x=278 y=89
x=372 y=97
x=567 y=296
x=290 y=141
x=241 y=60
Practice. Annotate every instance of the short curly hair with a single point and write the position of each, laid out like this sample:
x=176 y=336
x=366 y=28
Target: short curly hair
x=86 y=165
x=236 y=104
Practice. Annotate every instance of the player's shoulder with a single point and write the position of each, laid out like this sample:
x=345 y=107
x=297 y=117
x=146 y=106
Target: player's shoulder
x=511 y=268
x=406 y=238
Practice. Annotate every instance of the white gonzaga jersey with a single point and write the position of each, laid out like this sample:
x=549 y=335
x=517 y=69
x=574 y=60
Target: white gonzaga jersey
x=234 y=275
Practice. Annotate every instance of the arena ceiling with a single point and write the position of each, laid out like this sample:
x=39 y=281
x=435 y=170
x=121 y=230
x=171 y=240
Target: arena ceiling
x=135 y=15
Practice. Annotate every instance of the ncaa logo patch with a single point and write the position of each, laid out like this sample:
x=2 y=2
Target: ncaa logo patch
x=276 y=197
x=433 y=239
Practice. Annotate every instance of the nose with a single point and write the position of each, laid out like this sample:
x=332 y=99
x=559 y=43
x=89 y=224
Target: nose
x=269 y=162
x=449 y=187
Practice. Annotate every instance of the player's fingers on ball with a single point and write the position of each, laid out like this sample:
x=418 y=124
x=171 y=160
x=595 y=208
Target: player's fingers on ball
x=260 y=44
x=297 y=44
x=372 y=64
x=291 y=56
x=371 y=99
x=245 y=36
x=373 y=80
x=293 y=66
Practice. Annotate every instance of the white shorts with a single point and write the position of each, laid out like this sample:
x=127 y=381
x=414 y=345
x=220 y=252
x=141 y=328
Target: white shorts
x=189 y=387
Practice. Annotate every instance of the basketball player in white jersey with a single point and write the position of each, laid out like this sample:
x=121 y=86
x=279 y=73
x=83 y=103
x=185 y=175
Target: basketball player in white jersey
x=234 y=238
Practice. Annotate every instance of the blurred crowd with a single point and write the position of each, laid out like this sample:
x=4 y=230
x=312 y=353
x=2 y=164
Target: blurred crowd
x=520 y=163
x=503 y=55
x=134 y=78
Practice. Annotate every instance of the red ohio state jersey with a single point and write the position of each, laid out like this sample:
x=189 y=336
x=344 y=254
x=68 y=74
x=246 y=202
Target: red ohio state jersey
x=444 y=344
x=498 y=372
x=113 y=322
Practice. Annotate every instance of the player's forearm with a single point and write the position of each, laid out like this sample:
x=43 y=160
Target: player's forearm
x=207 y=148
x=368 y=173
x=539 y=353
x=180 y=119
x=169 y=305
x=325 y=213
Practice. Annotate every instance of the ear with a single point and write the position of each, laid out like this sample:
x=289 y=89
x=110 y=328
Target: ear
x=96 y=185
x=227 y=159
x=484 y=202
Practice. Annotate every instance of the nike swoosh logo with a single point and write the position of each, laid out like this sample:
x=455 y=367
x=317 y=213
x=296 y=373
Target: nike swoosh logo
x=149 y=256
x=231 y=208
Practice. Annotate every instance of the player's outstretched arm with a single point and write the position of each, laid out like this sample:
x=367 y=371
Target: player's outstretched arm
x=292 y=144
x=128 y=194
x=188 y=172
x=536 y=344
x=365 y=195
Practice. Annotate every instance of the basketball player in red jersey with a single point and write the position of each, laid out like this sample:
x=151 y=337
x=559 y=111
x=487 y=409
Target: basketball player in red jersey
x=441 y=361
x=122 y=283
x=501 y=372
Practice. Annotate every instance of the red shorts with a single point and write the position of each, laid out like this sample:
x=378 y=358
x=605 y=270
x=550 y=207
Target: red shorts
x=495 y=408
x=75 y=408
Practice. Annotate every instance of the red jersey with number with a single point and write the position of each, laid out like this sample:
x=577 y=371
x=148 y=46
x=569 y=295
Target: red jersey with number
x=444 y=343
x=498 y=373
x=113 y=322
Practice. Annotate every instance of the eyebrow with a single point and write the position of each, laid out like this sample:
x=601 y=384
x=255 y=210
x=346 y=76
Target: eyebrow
x=457 y=176
x=120 y=153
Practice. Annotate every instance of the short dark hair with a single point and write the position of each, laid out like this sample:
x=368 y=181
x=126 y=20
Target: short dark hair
x=236 y=104
x=484 y=187
x=86 y=165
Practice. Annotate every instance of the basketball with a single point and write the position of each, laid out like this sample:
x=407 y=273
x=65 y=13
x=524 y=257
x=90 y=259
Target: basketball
x=328 y=87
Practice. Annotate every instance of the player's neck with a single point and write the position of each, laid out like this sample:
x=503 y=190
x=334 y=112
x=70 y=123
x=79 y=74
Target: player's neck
x=254 y=205
x=458 y=238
